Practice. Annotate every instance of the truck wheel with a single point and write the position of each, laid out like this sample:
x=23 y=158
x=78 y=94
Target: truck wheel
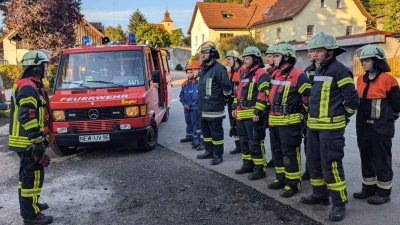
x=150 y=140
x=63 y=150
x=166 y=116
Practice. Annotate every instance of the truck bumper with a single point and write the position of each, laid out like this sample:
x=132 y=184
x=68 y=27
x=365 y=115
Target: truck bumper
x=117 y=138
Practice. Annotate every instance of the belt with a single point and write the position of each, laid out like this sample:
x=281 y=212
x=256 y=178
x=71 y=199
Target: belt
x=285 y=109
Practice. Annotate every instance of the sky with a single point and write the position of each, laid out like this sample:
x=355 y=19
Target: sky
x=114 y=12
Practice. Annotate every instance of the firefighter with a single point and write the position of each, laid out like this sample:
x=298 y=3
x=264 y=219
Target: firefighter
x=233 y=60
x=379 y=108
x=310 y=71
x=214 y=89
x=30 y=134
x=185 y=96
x=249 y=107
x=333 y=100
x=198 y=137
x=288 y=97
x=270 y=60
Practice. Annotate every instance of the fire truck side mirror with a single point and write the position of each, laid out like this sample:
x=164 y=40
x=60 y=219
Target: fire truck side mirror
x=156 y=76
x=105 y=40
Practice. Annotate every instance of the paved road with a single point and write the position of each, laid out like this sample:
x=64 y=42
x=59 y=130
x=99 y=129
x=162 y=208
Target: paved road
x=358 y=211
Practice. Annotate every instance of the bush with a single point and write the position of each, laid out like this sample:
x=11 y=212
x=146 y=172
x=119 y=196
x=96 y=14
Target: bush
x=178 y=67
x=4 y=114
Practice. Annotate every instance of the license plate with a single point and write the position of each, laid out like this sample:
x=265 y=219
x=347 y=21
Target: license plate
x=94 y=138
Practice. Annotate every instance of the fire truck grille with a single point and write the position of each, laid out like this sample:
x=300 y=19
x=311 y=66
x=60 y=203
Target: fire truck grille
x=95 y=125
x=94 y=113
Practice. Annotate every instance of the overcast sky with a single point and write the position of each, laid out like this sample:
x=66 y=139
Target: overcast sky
x=114 y=12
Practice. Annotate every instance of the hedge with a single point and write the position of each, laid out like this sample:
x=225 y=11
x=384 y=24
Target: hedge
x=10 y=73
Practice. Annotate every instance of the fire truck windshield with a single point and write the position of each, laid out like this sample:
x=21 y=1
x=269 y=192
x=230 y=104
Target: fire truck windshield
x=101 y=70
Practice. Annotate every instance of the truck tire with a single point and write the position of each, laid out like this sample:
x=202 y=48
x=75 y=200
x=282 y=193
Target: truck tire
x=63 y=150
x=150 y=140
x=166 y=116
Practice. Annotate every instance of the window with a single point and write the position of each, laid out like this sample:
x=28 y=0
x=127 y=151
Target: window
x=226 y=14
x=267 y=11
x=349 y=30
x=323 y=4
x=278 y=33
x=310 y=30
x=257 y=36
x=202 y=38
x=225 y=36
x=195 y=41
x=339 y=4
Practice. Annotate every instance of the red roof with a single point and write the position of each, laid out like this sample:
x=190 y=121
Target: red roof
x=166 y=17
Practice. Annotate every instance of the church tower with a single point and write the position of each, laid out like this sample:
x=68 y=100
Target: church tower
x=167 y=22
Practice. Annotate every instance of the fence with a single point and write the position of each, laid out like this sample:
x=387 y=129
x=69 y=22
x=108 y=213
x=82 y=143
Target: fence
x=394 y=64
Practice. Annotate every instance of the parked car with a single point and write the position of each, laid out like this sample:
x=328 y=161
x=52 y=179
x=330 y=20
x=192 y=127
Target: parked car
x=3 y=103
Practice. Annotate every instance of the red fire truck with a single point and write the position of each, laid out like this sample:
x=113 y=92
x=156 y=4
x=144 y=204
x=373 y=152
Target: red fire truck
x=110 y=95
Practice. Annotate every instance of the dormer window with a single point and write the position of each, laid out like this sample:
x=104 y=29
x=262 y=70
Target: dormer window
x=226 y=14
x=267 y=11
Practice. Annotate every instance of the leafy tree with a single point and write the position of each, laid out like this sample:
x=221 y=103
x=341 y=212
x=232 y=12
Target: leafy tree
x=238 y=43
x=44 y=24
x=176 y=37
x=115 y=33
x=187 y=41
x=136 y=20
x=155 y=35
x=392 y=16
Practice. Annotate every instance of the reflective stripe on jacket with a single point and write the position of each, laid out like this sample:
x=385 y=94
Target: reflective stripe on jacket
x=288 y=97
x=252 y=93
x=214 y=88
x=29 y=113
x=333 y=97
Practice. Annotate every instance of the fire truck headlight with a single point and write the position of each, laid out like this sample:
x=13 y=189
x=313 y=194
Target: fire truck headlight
x=132 y=111
x=58 y=115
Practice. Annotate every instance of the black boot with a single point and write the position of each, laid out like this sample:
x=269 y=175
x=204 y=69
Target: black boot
x=235 y=151
x=205 y=155
x=244 y=170
x=195 y=144
x=216 y=160
x=306 y=175
x=288 y=192
x=256 y=176
x=337 y=213
x=362 y=194
x=378 y=200
x=40 y=218
x=276 y=185
x=201 y=147
x=42 y=206
x=271 y=164
x=183 y=140
x=311 y=200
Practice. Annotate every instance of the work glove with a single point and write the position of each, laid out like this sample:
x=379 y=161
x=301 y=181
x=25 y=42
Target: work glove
x=38 y=155
x=44 y=161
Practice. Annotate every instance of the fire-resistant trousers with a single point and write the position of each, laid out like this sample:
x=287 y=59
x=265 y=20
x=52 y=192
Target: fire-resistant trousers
x=213 y=136
x=189 y=124
x=231 y=121
x=31 y=175
x=325 y=151
x=251 y=137
x=285 y=147
x=376 y=158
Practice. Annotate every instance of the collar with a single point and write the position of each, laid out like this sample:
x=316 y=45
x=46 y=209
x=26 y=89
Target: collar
x=366 y=77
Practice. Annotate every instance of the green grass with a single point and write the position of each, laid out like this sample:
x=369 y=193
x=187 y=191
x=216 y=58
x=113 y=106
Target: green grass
x=4 y=114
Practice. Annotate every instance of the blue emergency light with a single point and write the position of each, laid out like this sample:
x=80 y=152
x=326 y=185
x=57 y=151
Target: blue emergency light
x=85 y=40
x=132 y=38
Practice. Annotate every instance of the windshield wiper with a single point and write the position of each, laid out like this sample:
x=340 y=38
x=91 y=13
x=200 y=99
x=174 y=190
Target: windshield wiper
x=107 y=82
x=78 y=83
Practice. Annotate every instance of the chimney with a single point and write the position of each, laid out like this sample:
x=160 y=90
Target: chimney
x=246 y=3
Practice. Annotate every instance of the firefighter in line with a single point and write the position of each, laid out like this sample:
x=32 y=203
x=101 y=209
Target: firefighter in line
x=30 y=134
x=198 y=137
x=333 y=100
x=214 y=89
x=310 y=72
x=288 y=97
x=250 y=107
x=237 y=69
x=379 y=108
x=270 y=61
x=185 y=96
